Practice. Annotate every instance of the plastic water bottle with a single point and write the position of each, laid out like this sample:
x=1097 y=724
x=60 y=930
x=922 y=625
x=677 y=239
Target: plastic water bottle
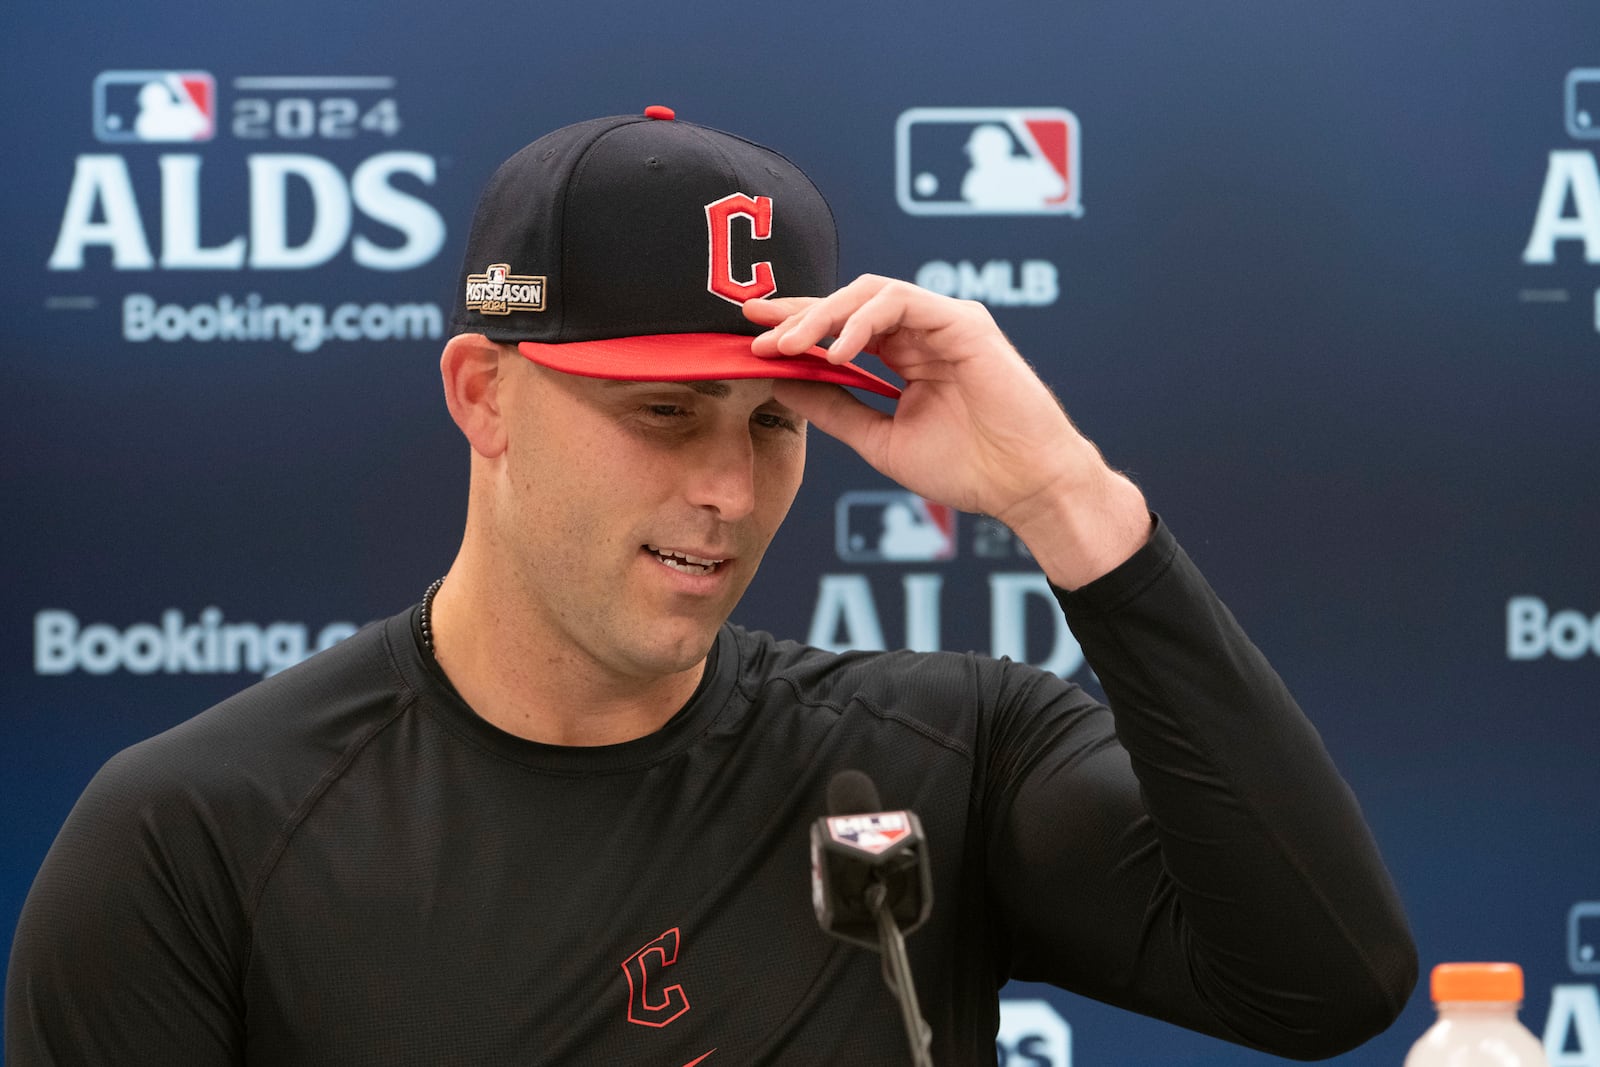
x=1478 y=1025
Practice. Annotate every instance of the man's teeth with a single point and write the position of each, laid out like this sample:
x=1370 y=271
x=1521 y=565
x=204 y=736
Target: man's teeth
x=682 y=561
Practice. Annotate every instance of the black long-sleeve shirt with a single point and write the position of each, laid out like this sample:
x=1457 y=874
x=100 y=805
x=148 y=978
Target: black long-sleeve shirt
x=345 y=865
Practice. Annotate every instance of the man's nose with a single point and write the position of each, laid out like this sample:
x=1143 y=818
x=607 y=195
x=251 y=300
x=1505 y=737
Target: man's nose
x=723 y=475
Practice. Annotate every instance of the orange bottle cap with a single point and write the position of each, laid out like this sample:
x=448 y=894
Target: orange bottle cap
x=1477 y=981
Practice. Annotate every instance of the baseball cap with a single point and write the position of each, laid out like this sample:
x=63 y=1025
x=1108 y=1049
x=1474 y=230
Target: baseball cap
x=623 y=248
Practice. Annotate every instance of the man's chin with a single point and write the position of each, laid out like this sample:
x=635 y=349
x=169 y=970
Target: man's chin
x=676 y=654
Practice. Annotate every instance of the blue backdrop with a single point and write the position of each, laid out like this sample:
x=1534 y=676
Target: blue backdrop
x=1324 y=278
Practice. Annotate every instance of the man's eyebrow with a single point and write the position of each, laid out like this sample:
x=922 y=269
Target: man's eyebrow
x=717 y=389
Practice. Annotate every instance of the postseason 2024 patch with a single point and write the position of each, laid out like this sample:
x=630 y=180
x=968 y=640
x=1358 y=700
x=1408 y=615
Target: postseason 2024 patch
x=499 y=292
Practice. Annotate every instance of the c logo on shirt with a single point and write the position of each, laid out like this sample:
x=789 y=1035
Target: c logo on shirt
x=647 y=1005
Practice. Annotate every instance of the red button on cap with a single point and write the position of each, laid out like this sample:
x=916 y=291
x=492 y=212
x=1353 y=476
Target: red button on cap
x=660 y=111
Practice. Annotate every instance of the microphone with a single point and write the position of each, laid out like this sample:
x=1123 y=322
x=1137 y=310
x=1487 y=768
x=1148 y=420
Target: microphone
x=859 y=845
x=852 y=792
x=871 y=884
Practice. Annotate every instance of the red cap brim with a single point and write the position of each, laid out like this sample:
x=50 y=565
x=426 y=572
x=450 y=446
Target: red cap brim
x=694 y=357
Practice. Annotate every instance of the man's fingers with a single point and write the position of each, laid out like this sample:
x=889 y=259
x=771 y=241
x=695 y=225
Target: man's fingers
x=822 y=318
x=772 y=311
x=857 y=317
x=881 y=314
x=779 y=314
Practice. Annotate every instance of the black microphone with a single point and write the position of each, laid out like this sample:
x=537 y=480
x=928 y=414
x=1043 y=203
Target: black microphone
x=871 y=884
x=860 y=845
x=851 y=793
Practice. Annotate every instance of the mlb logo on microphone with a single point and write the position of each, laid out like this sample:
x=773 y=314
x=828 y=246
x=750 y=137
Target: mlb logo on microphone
x=155 y=106
x=988 y=161
x=893 y=526
x=869 y=833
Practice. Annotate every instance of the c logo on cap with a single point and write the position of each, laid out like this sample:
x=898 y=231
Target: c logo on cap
x=719 y=229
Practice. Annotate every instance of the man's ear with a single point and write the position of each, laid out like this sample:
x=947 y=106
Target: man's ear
x=470 y=367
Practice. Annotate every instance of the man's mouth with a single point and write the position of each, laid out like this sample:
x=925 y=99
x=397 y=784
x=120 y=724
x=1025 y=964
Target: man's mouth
x=683 y=561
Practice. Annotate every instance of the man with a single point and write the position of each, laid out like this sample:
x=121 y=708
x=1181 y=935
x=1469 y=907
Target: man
x=557 y=813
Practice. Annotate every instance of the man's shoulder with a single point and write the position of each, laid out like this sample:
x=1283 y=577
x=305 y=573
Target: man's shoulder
x=944 y=691
x=274 y=738
x=764 y=657
x=766 y=653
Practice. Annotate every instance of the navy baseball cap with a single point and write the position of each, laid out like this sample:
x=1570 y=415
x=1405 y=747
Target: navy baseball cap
x=623 y=248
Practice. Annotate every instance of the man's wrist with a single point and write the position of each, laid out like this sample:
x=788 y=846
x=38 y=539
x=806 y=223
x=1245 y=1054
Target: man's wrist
x=1080 y=534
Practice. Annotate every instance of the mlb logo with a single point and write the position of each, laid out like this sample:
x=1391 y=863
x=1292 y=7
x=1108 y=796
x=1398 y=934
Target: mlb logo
x=1583 y=937
x=988 y=161
x=893 y=526
x=869 y=833
x=1583 y=103
x=154 y=106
